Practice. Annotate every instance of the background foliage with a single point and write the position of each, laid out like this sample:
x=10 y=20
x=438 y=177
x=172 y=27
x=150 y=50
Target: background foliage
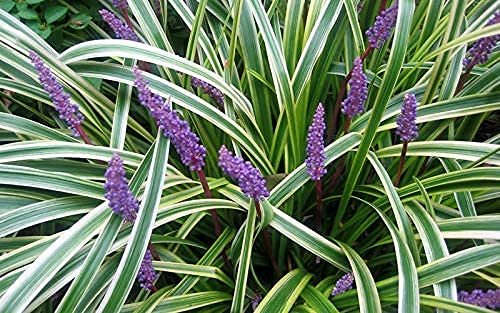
x=410 y=247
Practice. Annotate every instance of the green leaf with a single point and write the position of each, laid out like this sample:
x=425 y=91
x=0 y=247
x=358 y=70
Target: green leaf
x=34 y=1
x=7 y=5
x=54 y=13
x=368 y=298
x=132 y=257
x=244 y=262
x=317 y=301
x=28 y=14
x=80 y=21
x=283 y=295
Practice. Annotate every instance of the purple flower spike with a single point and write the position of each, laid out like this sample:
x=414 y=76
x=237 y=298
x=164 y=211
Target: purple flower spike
x=315 y=161
x=343 y=284
x=67 y=111
x=120 y=4
x=147 y=275
x=256 y=301
x=407 y=127
x=358 y=93
x=382 y=28
x=481 y=50
x=209 y=90
x=248 y=177
x=186 y=142
x=121 y=200
x=122 y=30
x=489 y=299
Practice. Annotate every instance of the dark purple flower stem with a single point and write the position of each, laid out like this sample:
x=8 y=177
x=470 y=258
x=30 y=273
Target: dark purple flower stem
x=83 y=135
x=267 y=243
x=401 y=163
x=213 y=213
x=319 y=205
x=463 y=79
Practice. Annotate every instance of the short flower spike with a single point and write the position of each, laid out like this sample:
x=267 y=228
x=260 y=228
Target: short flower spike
x=316 y=157
x=343 y=284
x=121 y=200
x=382 y=28
x=186 y=142
x=358 y=93
x=481 y=50
x=147 y=275
x=407 y=128
x=122 y=30
x=489 y=299
x=67 y=111
x=120 y=4
x=248 y=177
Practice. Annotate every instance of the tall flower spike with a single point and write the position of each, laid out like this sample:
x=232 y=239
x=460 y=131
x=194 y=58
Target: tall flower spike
x=209 y=90
x=147 y=275
x=121 y=200
x=343 y=284
x=244 y=173
x=358 y=92
x=489 y=299
x=122 y=30
x=315 y=161
x=186 y=142
x=481 y=50
x=67 y=111
x=382 y=28
x=407 y=128
x=120 y=4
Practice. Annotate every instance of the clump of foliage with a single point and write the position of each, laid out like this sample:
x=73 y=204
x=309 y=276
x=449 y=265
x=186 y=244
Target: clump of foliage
x=280 y=156
x=59 y=22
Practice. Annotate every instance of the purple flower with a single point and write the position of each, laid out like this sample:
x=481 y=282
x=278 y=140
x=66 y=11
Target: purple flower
x=120 y=4
x=209 y=90
x=122 y=30
x=147 y=275
x=489 y=299
x=481 y=50
x=248 y=177
x=186 y=142
x=382 y=28
x=256 y=301
x=315 y=161
x=121 y=200
x=67 y=111
x=358 y=92
x=343 y=284
x=407 y=127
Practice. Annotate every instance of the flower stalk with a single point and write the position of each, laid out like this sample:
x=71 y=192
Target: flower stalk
x=407 y=130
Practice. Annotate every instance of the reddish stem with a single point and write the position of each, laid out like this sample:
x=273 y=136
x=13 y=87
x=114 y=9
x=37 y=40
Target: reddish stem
x=127 y=18
x=383 y=5
x=213 y=213
x=267 y=243
x=340 y=166
x=463 y=80
x=401 y=163
x=83 y=134
x=319 y=205
x=153 y=251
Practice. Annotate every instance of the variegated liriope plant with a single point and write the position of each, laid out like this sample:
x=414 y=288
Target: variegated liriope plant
x=285 y=156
